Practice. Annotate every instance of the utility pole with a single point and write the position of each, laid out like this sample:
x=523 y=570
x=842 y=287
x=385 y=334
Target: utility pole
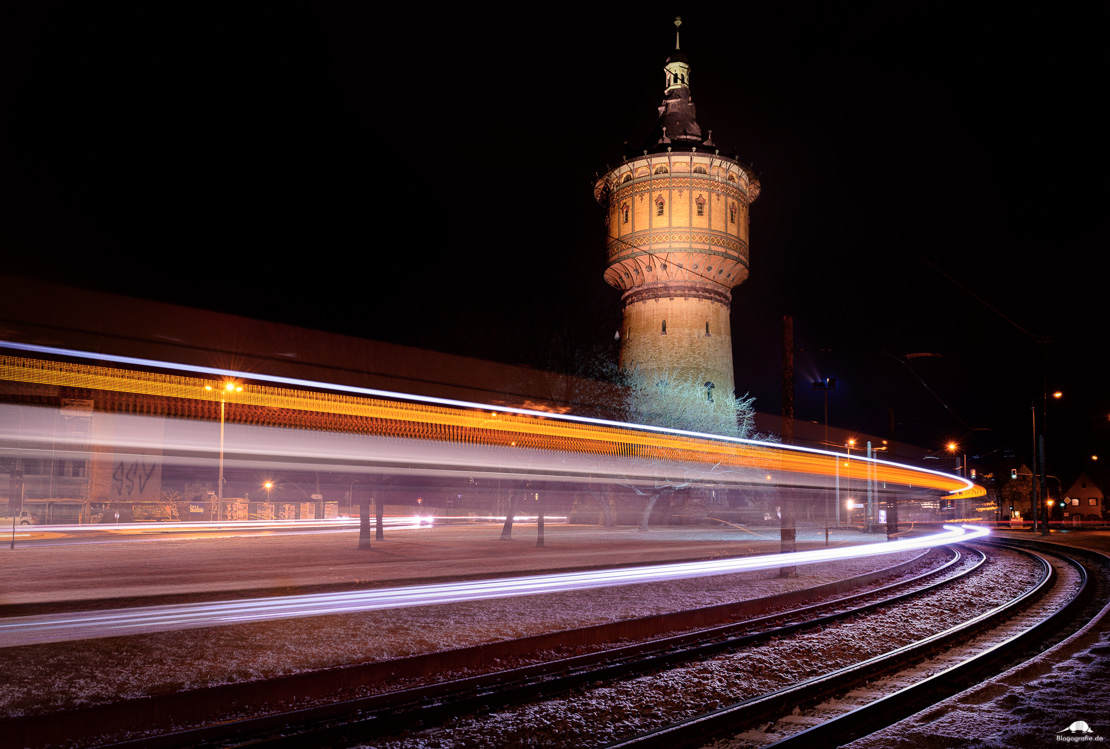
x=788 y=533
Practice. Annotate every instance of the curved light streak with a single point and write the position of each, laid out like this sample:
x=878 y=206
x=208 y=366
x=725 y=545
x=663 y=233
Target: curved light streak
x=85 y=625
x=773 y=456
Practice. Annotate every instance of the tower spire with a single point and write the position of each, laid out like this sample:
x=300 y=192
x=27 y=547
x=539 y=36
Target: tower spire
x=678 y=242
x=678 y=125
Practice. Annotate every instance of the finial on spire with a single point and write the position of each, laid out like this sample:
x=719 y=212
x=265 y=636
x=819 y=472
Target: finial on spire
x=677 y=23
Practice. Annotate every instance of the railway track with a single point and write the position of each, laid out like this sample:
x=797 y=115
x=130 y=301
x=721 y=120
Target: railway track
x=838 y=707
x=377 y=717
x=811 y=709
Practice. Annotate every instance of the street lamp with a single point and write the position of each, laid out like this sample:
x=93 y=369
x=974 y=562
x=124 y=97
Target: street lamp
x=961 y=467
x=1038 y=447
x=847 y=477
x=228 y=388
x=827 y=384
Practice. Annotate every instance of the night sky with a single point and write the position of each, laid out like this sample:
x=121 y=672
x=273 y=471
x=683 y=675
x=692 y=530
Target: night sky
x=933 y=182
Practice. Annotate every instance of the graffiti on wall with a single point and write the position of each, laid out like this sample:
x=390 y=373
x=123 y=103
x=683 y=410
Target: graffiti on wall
x=132 y=479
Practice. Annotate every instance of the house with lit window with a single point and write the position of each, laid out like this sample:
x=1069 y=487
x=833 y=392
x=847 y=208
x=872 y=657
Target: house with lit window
x=1084 y=501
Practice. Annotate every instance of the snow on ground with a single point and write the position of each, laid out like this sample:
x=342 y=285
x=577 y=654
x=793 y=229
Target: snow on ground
x=1029 y=706
x=598 y=716
x=56 y=676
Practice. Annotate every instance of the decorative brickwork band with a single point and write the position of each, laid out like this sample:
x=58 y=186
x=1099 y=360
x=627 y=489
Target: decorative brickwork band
x=678 y=290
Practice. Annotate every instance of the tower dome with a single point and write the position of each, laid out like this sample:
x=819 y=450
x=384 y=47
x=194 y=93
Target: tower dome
x=677 y=216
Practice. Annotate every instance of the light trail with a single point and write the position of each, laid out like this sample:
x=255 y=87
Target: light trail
x=407 y=417
x=30 y=630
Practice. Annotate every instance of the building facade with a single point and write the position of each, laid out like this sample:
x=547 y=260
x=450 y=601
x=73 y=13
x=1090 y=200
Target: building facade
x=677 y=217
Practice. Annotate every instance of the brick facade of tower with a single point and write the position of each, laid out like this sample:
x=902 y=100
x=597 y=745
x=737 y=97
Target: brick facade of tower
x=677 y=217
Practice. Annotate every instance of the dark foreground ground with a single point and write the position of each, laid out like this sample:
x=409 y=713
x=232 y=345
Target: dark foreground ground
x=1024 y=708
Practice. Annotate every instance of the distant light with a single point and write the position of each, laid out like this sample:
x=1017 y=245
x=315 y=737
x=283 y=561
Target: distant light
x=1057 y=395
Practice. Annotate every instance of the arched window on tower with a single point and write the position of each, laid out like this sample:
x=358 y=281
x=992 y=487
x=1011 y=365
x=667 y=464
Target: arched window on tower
x=661 y=169
x=660 y=204
x=732 y=213
x=664 y=331
x=626 y=178
x=700 y=202
x=731 y=177
x=624 y=212
x=700 y=170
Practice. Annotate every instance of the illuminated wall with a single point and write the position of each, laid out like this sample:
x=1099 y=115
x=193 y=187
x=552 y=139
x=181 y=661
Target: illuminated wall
x=677 y=219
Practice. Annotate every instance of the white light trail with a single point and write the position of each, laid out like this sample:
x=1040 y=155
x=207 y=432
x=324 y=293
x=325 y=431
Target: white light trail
x=85 y=625
x=375 y=393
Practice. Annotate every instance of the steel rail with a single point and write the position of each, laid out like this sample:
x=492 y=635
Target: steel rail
x=394 y=712
x=844 y=728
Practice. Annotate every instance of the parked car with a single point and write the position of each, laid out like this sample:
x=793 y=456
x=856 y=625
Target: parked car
x=23 y=518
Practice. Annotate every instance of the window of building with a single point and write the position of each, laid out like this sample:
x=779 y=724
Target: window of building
x=732 y=213
x=700 y=170
x=709 y=391
x=661 y=170
x=659 y=205
x=664 y=327
x=1092 y=501
x=700 y=201
x=707 y=327
x=624 y=212
x=731 y=177
x=626 y=178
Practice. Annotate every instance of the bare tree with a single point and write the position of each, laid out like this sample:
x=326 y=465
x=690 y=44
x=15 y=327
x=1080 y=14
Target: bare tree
x=673 y=401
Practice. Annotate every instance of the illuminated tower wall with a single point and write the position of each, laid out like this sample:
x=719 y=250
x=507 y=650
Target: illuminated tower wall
x=678 y=242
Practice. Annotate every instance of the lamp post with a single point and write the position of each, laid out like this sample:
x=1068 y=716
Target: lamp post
x=961 y=467
x=827 y=384
x=847 y=478
x=872 y=489
x=1038 y=448
x=228 y=388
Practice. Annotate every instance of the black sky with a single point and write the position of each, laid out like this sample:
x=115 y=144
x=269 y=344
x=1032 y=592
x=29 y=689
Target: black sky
x=933 y=182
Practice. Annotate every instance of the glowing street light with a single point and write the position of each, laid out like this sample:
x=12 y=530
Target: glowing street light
x=848 y=478
x=954 y=448
x=228 y=388
x=827 y=384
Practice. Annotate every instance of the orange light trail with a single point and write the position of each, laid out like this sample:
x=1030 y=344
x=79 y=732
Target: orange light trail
x=474 y=424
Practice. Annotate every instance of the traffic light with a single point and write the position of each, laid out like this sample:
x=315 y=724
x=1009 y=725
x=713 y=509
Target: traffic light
x=1013 y=473
x=972 y=473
